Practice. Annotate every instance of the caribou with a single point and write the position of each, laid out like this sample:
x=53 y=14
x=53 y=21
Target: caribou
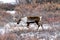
x=35 y=19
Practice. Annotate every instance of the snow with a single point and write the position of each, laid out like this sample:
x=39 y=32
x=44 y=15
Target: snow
x=40 y=28
x=2 y=31
x=33 y=26
x=23 y=22
x=8 y=1
x=11 y=12
x=46 y=26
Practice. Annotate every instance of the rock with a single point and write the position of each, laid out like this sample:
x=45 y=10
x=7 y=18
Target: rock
x=10 y=24
x=46 y=27
x=25 y=28
x=33 y=26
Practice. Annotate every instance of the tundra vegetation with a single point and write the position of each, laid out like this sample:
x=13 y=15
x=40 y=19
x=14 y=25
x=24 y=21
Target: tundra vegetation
x=48 y=9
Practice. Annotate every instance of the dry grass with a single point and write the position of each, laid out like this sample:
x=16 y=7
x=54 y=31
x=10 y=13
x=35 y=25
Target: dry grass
x=8 y=37
x=5 y=18
x=47 y=10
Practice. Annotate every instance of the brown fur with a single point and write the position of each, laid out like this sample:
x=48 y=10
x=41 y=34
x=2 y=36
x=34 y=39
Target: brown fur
x=32 y=20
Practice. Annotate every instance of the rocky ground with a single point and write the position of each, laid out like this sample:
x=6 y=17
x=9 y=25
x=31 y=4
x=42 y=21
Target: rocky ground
x=50 y=30
x=14 y=31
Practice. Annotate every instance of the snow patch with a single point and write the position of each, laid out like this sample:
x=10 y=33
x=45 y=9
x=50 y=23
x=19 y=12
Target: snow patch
x=2 y=31
x=11 y=12
x=33 y=26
